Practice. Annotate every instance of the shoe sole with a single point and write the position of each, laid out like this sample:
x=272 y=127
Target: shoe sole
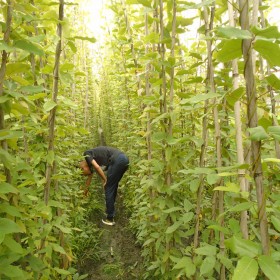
x=108 y=224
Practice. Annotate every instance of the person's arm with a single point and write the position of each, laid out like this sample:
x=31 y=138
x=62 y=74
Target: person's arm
x=100 y=171
x=88 y=181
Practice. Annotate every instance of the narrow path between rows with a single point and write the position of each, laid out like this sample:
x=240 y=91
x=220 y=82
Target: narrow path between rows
x=120 y=256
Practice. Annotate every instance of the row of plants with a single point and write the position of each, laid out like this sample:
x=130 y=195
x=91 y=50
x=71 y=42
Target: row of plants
x=45 y=77
x=190 y=91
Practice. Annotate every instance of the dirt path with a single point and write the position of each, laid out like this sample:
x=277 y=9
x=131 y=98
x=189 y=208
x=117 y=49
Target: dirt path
x=120 y=257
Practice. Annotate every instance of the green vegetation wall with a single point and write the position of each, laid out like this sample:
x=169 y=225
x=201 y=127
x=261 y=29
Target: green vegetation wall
x=188 y=90
x=193 y=99
x=44 y=78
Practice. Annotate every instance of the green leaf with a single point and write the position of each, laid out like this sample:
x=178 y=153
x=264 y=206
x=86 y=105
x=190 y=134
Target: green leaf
x=246 y=269
x=273 y=81
x=37 y=96
x=62 y=271
x=90 y=39
x=187 y=217
x=36 y=264
x=230 y=187
x=152 y=38
x=212 y=178
x=17 y=107
x=58 y=248
x=201 y=97
x=241 y=207
x=243 y=247
x=145 y=3
x=172 y=228
x=4 y=46
x=219 y=228
x=49 y=105
x=10 y=134
x=269 y=267
x=269 y=51
x=4 y=98
x=13 y=68
x=257 y=133
x=233 y=33
x=269 y=33
x=206 y=250
x=230 y=50
x=235 y=95
x=11 y=210
x=32 y=89
x=207 y=265
x=276 y=223
x=7 y=188
x=11 y=271
x=14 y=246
x=181 y=21
x=275 y=160
x=8 y=226
x=29 y=47
x=185 y=262
x=173 y=209
x=274 y=131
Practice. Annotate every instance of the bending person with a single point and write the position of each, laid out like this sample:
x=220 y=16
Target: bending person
x=116 y=163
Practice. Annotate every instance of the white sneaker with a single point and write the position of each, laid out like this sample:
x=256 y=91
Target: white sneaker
x=108 y=222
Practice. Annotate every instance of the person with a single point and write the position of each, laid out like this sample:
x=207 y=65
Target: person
x=115 y=163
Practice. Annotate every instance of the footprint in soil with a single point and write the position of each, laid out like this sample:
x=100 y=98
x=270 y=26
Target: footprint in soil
x=120 y=257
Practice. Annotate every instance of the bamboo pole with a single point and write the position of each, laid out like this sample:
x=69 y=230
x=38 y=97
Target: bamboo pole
x=253 y=122
x=49 y=170
x=238 y=134
x=4 y=61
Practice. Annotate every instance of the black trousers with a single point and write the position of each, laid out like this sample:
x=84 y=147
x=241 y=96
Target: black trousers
x=114 y=174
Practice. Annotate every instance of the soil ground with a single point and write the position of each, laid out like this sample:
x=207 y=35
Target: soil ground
x=120 y=256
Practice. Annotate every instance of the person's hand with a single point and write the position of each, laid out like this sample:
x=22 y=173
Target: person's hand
x=104 y=184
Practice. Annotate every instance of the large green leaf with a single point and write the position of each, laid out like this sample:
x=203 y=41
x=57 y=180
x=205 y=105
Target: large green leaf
x=247 y=269
x=230 y=50
x=4 y=46
x=269 y=267
x=13 y=246
x=258 y=133
x=187 y=264
x=174 y=227
x=49 y=105
x=7 y=188
x=90 y=39
x=10 y=134
x=241 y=207
x=231 y=187
x=33 y=89
x=273 y=81
x=235 y=95
x=274 y=131
x=8 y=226
x=270 y=32
x=233 y=33
x=13 y=272
x=269 y=51
x=206 y=250
x=276 y=223
x=207 y=265
x=17 y=67
x=243 y=247
x=29 y=47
